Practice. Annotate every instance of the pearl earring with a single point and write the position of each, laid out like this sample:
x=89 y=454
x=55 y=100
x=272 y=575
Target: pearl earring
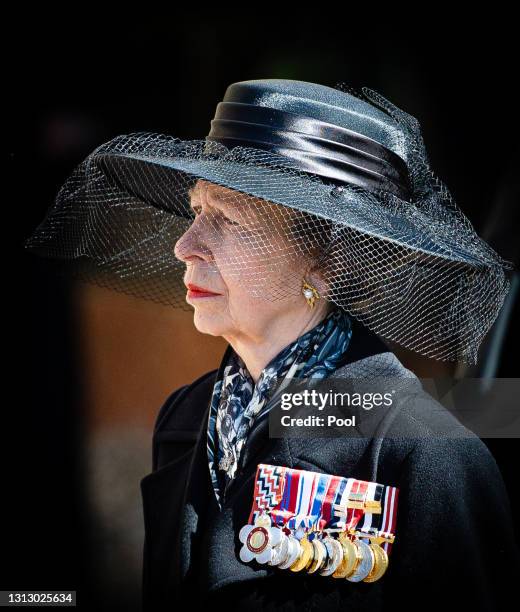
x=310 y=292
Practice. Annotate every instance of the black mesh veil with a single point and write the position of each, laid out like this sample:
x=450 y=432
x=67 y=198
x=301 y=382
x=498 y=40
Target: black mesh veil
x=143 y=208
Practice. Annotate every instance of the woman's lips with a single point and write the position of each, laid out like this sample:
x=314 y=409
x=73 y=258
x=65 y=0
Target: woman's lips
x=195 y=291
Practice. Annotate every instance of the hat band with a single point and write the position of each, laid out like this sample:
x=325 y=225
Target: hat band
x=336 y=153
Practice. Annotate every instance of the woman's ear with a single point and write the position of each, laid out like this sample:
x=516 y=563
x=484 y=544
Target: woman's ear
x=316 y=277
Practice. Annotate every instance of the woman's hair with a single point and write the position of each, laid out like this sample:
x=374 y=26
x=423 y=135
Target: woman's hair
x=354 y=267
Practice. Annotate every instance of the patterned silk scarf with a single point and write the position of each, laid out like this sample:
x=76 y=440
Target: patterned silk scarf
x=237 y=402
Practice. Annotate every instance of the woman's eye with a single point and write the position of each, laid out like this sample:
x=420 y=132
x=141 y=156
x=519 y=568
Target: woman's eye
x=229 y=222
x=197 y=210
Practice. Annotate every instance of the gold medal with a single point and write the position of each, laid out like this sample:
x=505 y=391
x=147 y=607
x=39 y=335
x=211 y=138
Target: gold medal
x=351 y=557
x=380 y=562
x=306 y=555
x=320 y=555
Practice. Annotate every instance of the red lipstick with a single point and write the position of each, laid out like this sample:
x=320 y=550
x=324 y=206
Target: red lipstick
x=194 y=291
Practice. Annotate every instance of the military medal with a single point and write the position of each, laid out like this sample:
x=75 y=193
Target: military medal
x=293 y=552
x=320 y=554
x=364 y=565
x=380 y=562
x=320 y=523
x=259 y=537
x=364 y=557
x=314 y=489
x=334 y=556
x=351 y=557
x=349 y=512
x=305 y=555
x=258 y=540
x=280 y=551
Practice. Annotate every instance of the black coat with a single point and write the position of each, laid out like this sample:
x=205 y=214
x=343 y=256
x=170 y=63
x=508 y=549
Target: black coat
x=454 y=535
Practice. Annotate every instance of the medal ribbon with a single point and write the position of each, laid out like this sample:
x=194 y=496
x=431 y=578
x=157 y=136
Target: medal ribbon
x=268 y=488
x=382 y=524
x=300 y=498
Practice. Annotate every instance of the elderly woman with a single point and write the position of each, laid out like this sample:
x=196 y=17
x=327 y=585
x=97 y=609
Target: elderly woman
x=448 y=481
x=309 y=227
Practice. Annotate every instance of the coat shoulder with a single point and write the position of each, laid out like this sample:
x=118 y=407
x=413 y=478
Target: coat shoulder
x=179 y=419
x=415 y=427
x=184 y=407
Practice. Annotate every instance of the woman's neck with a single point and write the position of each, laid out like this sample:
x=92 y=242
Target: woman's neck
x=257 y=352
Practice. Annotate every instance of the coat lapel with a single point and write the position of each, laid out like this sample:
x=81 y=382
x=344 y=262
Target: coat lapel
x=199 y=503
x=212 y=532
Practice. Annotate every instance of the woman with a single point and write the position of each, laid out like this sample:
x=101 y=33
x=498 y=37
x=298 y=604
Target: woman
x=448 y=483
x=308 y=221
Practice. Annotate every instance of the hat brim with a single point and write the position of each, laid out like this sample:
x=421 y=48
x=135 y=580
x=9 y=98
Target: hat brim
x=352 y=207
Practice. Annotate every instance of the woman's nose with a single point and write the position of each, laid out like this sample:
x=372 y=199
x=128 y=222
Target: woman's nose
x=192 y=245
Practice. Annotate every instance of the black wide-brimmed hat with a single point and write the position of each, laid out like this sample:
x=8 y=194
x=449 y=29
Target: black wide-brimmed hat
x=290 y=172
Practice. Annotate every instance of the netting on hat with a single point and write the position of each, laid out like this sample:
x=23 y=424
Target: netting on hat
x=147 y=214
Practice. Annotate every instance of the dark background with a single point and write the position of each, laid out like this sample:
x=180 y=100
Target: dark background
x=72 y=82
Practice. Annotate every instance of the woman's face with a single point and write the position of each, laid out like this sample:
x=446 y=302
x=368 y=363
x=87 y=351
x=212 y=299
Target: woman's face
x=239 y=248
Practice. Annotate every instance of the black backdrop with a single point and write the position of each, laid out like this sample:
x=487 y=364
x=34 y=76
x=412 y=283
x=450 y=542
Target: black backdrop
x=73 y=81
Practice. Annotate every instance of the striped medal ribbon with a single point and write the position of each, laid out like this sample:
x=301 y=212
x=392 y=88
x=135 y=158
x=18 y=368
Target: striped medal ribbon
x=304 y=520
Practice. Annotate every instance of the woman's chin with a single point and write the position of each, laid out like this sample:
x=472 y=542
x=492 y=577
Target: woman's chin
x=208 y=323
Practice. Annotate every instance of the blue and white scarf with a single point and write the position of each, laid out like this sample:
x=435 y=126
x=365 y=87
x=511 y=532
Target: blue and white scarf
x=237 y=402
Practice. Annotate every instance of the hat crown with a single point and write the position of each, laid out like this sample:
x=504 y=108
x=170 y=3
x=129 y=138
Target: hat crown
x=323 y=103
x=327 y=132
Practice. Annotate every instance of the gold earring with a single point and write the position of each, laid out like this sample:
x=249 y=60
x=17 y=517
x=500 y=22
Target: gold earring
x=310 y=292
